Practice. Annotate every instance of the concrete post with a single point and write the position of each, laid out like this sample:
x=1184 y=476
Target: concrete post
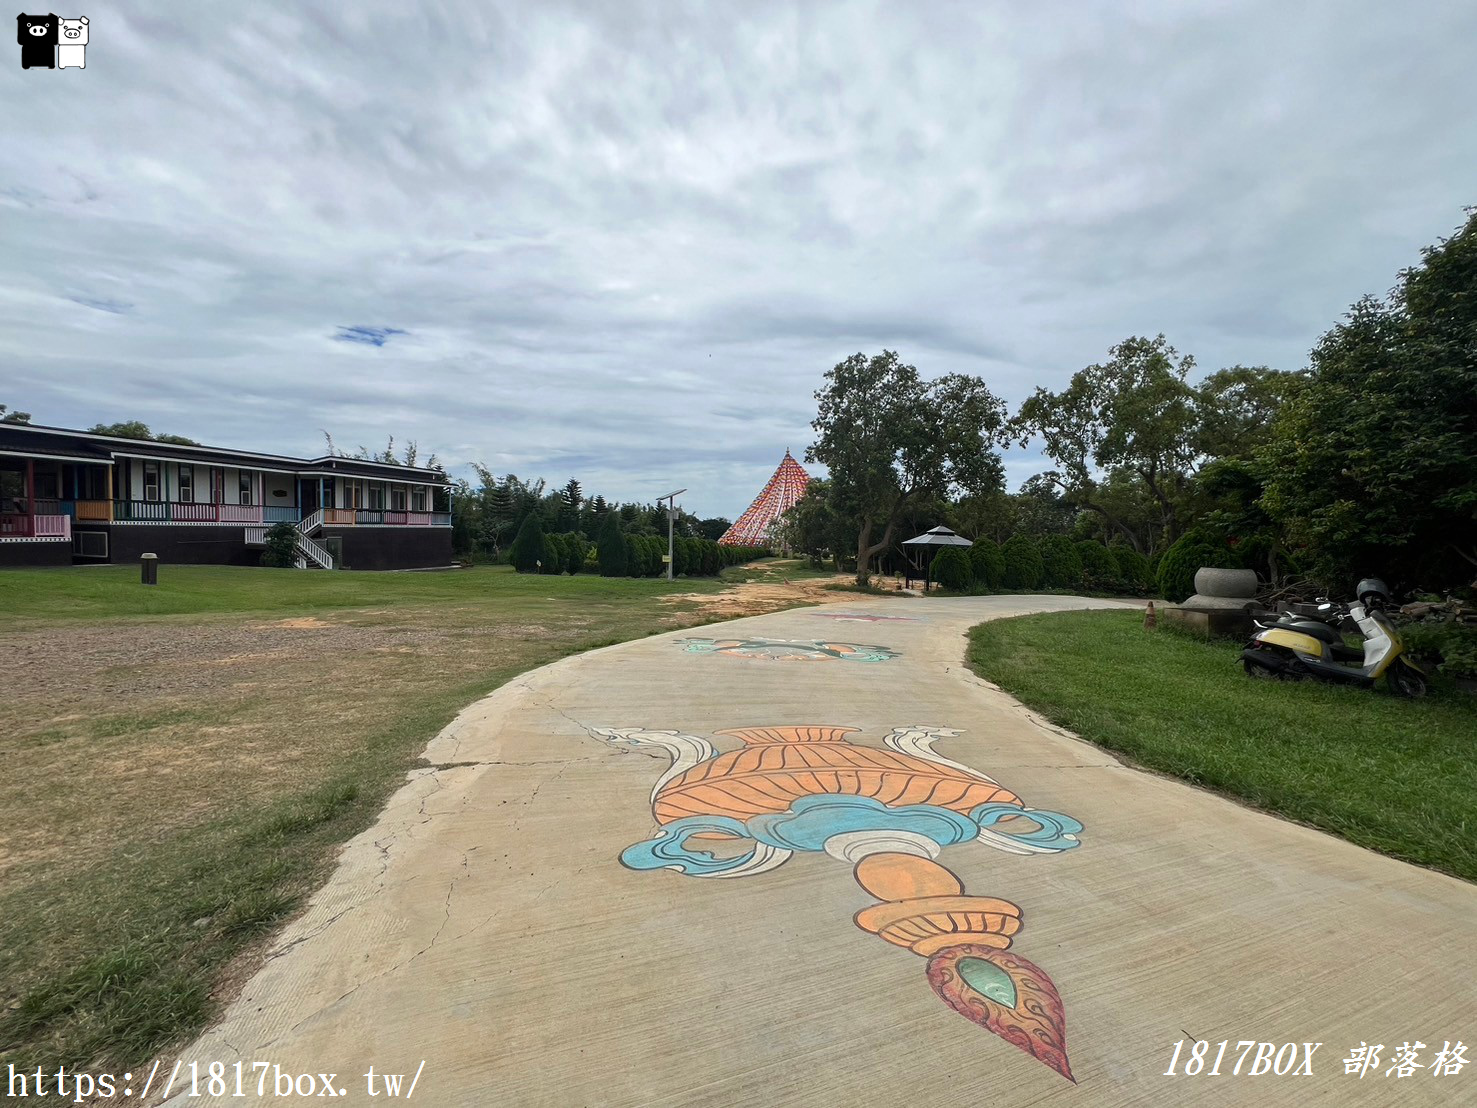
x=149 y=569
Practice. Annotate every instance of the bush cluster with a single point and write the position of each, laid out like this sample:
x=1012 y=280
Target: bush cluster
x=1055 y=562
x=1451 y=647
x=617 y=554
x=1193 y=549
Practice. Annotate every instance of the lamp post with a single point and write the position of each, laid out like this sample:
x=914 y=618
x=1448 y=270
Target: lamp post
x=671 y=500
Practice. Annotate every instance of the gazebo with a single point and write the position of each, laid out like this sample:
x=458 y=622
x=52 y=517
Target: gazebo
x=927 y=545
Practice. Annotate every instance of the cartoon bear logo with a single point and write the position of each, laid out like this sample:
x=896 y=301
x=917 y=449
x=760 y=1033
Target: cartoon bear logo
x=37 y=35
x=71 y=48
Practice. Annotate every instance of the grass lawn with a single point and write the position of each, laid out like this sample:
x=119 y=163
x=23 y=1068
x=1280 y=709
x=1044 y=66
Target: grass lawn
x=1393 y=775
x=181 y=763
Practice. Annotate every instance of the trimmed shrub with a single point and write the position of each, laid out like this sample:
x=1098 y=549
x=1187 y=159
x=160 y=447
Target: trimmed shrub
x=652 y=563
x=708 y=557
x=574 y=553
x=1061 y=564
x=1023 y=568
x=529 y=548
x=281 y=551
x=988 y=564
x=952 y=569
x=611 y=546
x=553 y=554
x=1099 y=567
x=1133 y=568
x=1193 y=549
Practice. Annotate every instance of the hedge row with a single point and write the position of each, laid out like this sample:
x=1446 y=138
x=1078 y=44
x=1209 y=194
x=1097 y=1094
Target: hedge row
x=1024 y=563
x=616 y=554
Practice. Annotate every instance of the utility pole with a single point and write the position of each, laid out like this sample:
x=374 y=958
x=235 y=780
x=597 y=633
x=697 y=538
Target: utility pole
x=671 y=499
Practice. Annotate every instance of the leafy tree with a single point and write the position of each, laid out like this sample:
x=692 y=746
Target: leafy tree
x=1373 y=464
x=529 y=547
x=10 y=415
x=988 y=563
x=1136 y=411
x=387 y=455
x=1238 y=406
x=135 y=429
x=1023 y=565
x=814 y=527
x=891 y=439
x=714 y=528
x=1061 y=564
x=612 y=548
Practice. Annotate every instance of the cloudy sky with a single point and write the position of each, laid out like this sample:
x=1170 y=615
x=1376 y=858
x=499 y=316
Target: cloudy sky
x=623 y=241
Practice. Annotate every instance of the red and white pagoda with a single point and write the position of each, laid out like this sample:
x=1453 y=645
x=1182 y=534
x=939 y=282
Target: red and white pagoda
x=784 y=488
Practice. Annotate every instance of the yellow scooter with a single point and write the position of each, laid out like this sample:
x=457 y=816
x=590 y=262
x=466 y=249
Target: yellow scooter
x=1311 y=648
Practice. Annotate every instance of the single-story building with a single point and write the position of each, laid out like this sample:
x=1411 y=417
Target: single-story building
x=74 y=497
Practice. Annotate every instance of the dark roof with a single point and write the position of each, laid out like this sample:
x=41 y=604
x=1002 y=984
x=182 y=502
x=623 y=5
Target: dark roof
x=32 y=438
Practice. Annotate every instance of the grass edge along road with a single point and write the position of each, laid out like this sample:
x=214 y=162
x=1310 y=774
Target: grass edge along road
x=107 y=961
x=1396 y=776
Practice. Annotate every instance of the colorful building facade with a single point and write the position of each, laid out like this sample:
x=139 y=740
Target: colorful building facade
x=77 y=498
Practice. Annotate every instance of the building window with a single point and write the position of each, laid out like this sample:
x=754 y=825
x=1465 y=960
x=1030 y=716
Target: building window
x=245 y=488
x=187 y=484
x=418 y=498
x=151 y=480
x=353 y=495
x=397 y=500
x=376 y=498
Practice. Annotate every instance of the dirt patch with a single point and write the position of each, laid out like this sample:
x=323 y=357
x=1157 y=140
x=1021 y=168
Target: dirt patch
x=757 y=598
x=308 y=623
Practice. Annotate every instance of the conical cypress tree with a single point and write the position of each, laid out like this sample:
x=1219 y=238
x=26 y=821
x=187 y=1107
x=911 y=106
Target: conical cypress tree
x=528 y=547
x=611 y=546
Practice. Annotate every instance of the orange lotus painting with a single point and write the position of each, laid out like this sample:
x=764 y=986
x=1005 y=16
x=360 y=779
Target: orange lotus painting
x=889 y=813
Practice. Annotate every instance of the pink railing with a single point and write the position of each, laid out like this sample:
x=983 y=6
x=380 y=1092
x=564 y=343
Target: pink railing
x=16 y=526
x=174 y=511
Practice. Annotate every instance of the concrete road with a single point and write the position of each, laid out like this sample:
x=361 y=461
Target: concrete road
x=856 y=916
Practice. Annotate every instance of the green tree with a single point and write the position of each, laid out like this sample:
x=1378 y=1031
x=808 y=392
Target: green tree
x=136 y=429
x=1136 y=411
x=611 y=547
x=1023 y=565
x=1193 y=549
x=529 y=547
x=555 y=554
x=814 y=527
x=891 y=439
x=281 y=546
x=1238 y=407
x=1099 y=567
x=988 y=563
x=1061 y=564
x=1373 y=464
x=1133 y=568
x=10 y=415
x=951 y=568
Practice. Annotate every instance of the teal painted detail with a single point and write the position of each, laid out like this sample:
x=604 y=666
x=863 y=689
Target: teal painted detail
x=988 y=979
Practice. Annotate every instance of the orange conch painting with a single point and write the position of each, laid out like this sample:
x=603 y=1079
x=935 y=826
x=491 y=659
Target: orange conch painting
x=889 y=812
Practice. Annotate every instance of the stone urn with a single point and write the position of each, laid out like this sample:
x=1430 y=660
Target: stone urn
x=1238 y=585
